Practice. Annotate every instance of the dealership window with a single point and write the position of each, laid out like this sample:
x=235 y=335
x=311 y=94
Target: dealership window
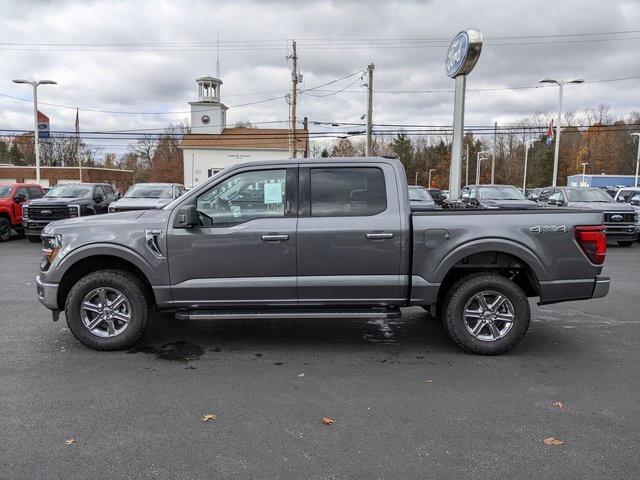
x=347 y=192
x=243 y=197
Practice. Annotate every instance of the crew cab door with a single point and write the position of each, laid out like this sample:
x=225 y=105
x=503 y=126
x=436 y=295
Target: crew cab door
x=349 y=235
x=22 y=193
x=242 y=252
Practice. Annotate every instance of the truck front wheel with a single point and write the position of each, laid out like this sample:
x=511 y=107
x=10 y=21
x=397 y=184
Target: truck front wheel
x=5 y=229
x=107 y=310
x=486 y=314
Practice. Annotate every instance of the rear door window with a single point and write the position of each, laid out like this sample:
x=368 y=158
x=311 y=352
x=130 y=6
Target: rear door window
x=35 y=192
x=347 y=192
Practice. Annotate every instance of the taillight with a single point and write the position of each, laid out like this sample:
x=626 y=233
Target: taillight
x=593 y=242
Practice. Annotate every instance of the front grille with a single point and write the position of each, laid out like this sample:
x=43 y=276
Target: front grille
x=613 y=218
x=48 y=213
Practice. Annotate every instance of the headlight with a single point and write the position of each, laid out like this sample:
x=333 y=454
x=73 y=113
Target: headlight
x=74 y=210
x=25 y=212
x=51 y=245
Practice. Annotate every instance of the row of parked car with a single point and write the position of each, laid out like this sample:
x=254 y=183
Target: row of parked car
x=27 y=207
x=621 y=211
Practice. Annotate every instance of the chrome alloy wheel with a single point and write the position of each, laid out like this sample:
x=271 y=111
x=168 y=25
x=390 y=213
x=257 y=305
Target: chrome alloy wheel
x=105 y=312
x=488 y=316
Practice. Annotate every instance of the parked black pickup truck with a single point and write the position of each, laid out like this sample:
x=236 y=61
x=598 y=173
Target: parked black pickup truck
x=66 y=201
x=323 y=238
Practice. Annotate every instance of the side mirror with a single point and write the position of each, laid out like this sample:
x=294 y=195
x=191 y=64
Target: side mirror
x=187 y=217
x=98 y=199
x=118 y=195
x=20 y=199
x=620 y=199
x=465 y=197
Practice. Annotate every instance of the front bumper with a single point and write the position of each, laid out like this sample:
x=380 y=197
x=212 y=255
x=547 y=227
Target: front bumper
x=567 y=290
x=34 y=227
x=626 y=232
x=47 y=293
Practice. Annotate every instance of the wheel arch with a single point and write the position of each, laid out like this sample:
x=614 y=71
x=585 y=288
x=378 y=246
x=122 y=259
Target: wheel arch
x=77 y=265
x=504 y=257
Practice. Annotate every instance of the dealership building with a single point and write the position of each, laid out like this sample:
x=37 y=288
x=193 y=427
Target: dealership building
x=211 y=146
x=580 y=180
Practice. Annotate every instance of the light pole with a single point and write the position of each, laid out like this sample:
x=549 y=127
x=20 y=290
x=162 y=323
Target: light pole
x=35 y=84
x=561 y=84
x=637 y=156
x=431 y=170
x=527 y=143
x=478 y=163
x=584 y=172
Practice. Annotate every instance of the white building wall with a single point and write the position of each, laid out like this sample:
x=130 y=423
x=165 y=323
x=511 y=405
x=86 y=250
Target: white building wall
x=199 y=163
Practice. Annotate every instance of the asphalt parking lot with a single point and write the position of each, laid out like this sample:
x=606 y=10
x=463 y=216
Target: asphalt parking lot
x=405 y=402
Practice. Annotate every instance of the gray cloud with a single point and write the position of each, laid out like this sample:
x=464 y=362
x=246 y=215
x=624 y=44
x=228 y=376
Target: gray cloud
x=161 y=79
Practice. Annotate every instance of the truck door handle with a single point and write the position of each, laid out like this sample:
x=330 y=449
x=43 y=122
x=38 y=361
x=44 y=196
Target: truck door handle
x=274 y=238
x=379 y=236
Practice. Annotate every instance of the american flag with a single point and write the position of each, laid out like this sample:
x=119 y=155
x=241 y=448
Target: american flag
x=550 y=133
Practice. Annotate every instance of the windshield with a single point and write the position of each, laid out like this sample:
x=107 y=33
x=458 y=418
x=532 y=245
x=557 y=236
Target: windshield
x=149 y=191
x=4 y=191
x=501 y=193
x=419 y=194
x=588 y=195
x=70 y=191
x=627 y=194
x=635 y=199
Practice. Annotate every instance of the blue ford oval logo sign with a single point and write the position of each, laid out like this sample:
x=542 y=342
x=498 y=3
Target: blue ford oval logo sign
x=463 y=53
x=616 y=218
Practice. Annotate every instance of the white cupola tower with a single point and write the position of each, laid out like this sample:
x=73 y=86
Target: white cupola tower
x=208 y=114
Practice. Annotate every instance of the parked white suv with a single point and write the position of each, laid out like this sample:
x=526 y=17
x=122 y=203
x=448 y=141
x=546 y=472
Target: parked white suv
x=624 y=195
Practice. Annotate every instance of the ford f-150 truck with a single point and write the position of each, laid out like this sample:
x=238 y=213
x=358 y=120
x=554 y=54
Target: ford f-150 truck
x=319 y=238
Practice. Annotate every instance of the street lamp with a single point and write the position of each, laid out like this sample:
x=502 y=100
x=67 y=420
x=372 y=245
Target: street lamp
x=35 y=84
x=478 y=163
x=561 y=84
x=527 y=143
x=584 y=172
x=431 y=170
x=637 y=155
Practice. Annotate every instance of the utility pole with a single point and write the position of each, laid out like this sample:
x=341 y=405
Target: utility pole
x=467 y=167
x=431 y=170
x=294 y=98
x=584 y=173
x=36 y=138
x=370 y=69
x=479 y=160
x=493 y=154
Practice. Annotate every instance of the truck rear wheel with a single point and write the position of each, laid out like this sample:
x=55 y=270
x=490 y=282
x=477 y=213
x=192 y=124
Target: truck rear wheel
x=5 y=229
x=486 y=314
x=107 y=310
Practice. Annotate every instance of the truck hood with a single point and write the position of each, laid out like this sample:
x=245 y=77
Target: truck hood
x=509 y=204
x=604 y=206
x=55 y=202
x=141 y=203
x=106 y=222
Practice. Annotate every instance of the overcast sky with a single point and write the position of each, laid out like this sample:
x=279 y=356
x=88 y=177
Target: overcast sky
x=144 y=57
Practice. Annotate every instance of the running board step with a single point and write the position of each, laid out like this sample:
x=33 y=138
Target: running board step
x=227 y=314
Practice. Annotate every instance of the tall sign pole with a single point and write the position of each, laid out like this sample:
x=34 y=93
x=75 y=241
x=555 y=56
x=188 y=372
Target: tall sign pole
x=462 y=56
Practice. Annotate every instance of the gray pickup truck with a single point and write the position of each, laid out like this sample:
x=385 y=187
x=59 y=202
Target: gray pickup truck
x=319 y=238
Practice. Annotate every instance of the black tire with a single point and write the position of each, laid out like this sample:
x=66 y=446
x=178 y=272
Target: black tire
x=130 y=286
x=625 y=243
x=5 y=229
x=463 y=291
x=34 y=238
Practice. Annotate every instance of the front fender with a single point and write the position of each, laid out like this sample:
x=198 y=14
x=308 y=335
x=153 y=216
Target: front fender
x=150 y=271
x=491 y=245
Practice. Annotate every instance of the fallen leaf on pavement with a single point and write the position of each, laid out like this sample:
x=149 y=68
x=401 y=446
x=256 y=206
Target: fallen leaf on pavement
x=301 y=375
x=558 y=405
x=327 y=420
x=553 y=442
x=208 y=417
x=71 y=441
